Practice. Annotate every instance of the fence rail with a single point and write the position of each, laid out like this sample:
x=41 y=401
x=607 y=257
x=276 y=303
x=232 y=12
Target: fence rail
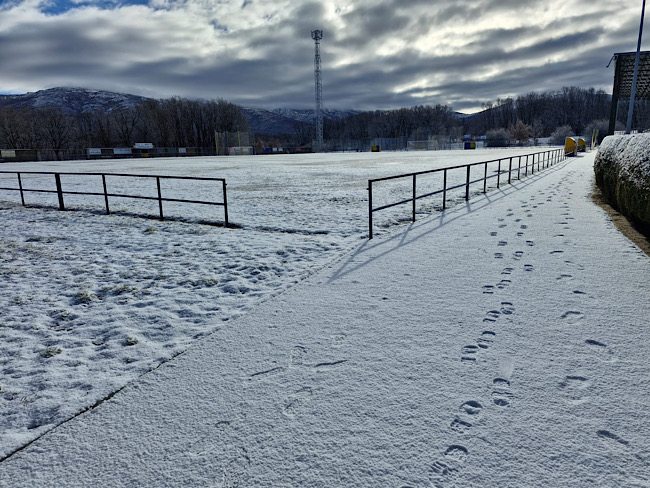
x=61 y=192
x=542 y=160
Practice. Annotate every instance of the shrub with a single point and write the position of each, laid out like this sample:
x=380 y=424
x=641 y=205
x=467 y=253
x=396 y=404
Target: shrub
x=559 y=135
x=520 y=132
x=497 y=138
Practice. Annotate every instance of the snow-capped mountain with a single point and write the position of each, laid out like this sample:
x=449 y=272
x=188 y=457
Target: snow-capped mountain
x=80 y=100
x=72 y=100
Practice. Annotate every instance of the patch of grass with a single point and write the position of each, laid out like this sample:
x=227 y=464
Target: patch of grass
x=150 y=230
x=51 y=352
x=85 y=296
x=125 y=288
x=130 y=341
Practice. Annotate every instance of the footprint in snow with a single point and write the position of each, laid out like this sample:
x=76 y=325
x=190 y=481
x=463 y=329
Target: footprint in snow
x=612 y=441
x=444 y=471
x=503 y=284
x=296 y=402
x=501 y=394
x=507 y=308
x=486 y=339
x=235 y=473
x=469 y=353
x=601 y=350
x=529 y=267
x=572 y=386
x=492 y=316
x=518 y=254
x=297 y=356
x=507 y=271
x=572 y=316
x=488 y=289
x=503 y=243
x=498 y=255
x=338 y=340
x=468 y=413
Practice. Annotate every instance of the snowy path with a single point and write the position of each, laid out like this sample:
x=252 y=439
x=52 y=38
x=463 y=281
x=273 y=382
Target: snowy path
x=500 y=343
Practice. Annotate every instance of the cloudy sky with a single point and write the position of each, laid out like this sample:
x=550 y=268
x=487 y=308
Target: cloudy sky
x=259 y=53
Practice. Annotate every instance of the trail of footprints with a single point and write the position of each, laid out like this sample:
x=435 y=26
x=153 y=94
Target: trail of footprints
x=575 y=387
x=445 y=469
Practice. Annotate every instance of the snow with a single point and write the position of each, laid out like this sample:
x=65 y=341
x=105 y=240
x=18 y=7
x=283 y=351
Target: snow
x=498 y=343
x=631 y=154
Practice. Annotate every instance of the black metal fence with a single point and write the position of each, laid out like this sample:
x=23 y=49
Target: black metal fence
x=60 y=192
x=540 y=160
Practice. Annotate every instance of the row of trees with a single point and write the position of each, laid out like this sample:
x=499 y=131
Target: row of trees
x=577 y=108
x=173 y=122
x=179 y=122
x=542 y=114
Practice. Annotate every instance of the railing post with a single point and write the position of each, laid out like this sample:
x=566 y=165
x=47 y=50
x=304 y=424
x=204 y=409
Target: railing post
x=444 y=189
x=532 y=166
x=526 y=172
x=225 y=202
x=108 y=211
x=510 y=171
x=20 y=185
x=519 y=169
x=160 y=198
x=369 y=209
x=59 y=190
x=499 y=174
x=485 y=179
x=467 y=184
x=414 y=197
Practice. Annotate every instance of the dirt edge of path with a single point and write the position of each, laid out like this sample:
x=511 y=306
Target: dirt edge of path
x=621 y=222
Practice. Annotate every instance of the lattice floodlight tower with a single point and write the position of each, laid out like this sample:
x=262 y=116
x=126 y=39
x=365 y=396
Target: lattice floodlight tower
x=317 y=35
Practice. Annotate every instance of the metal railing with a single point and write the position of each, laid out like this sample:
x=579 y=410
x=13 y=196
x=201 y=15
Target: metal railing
x=542 y=160
x=61 y=192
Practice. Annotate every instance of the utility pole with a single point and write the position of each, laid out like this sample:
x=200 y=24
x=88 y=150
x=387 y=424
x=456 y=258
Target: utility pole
x=317 y=35
x=630 y=110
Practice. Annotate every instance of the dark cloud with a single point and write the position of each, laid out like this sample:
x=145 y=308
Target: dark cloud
x=375 y=53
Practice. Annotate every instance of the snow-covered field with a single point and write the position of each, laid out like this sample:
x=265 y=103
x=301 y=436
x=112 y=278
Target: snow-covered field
x=88 y=302
x=497 y=344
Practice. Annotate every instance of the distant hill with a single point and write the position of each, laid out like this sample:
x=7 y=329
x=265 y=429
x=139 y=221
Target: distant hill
x=75 y=101
x=283 y=120
x=72 y=100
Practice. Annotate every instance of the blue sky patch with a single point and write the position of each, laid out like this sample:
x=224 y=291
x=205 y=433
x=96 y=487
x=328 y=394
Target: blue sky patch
x=57 y=7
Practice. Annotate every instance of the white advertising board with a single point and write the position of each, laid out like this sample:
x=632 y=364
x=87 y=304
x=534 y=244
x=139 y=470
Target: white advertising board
x=94 y=151
x=8 y=153
x=122 y=150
